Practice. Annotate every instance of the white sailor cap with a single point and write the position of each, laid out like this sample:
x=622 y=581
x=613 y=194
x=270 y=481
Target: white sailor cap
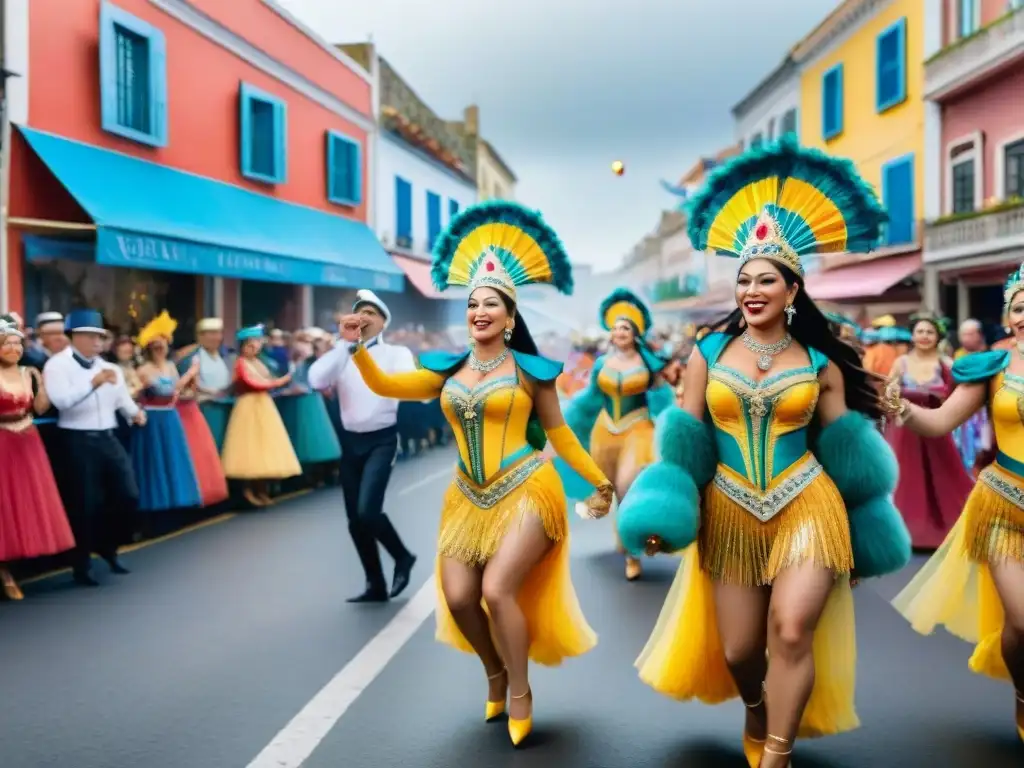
x=366 y=296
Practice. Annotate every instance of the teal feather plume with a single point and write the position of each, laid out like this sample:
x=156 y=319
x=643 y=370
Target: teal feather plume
x=626 y=295
x=836 y=178
x=505 y=212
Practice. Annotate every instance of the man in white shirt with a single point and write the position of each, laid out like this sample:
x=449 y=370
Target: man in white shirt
x=95 y=475
x=369 y=446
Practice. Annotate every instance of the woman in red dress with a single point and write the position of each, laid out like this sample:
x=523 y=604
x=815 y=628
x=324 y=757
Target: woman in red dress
x=32 y=518
x=933 y=484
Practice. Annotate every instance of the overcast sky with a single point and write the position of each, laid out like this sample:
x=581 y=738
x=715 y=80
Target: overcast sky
x=567 y=86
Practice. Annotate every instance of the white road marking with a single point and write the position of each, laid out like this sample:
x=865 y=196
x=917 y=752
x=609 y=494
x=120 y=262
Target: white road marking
x=297 y=740
x=446 y=472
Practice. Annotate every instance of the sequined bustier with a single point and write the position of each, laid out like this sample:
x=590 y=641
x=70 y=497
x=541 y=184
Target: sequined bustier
x=16 y=407
x=625 y=397
x=159 y=392
x=489 y=422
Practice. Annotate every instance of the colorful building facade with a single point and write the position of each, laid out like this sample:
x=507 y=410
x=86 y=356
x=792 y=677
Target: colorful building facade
x=975 y=237
x=206 y=157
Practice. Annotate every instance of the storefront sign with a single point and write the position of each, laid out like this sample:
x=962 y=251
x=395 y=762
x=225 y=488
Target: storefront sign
x=119 y=248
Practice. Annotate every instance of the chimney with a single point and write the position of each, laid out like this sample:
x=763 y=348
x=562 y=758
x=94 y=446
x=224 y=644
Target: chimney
x=471 y=119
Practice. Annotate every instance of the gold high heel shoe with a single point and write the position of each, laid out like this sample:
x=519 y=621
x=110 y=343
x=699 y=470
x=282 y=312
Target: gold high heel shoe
x=633 y=569
x=495 y=708
x=11 y=588
x=782 y=743
x=520 y=729
x=753 y=748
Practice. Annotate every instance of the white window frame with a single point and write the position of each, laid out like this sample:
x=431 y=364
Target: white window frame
x=977 y=154
x=1000 y=164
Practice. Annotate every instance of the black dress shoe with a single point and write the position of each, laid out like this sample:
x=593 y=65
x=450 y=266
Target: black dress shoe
x=371 y=595
x=83 y=579
x=403 y=569
x=116 y=567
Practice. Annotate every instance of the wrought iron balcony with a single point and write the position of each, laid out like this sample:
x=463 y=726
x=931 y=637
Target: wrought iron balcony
x=977 y=234
x=966 y=61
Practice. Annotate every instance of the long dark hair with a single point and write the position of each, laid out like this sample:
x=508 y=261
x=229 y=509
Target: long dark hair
x=811 y=328
x=521 y=340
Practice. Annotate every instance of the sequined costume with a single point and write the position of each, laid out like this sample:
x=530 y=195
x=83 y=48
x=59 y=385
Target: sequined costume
x=955 y=588
x=759 y=484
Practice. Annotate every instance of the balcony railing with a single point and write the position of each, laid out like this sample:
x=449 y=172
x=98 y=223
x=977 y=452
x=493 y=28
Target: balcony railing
x=971 y=58
x=1000 y=229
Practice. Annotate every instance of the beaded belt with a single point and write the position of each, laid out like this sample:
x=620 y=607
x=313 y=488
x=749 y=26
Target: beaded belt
x=626 y=422
x=764 y=505
x=488 y=496
x=1004 y=482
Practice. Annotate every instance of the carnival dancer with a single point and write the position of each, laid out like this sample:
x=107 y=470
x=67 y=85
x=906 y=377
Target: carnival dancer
x=613 y=416
x=213 y=384
x=504 y=530
x=97 y=482
x=933 y=483
x=369 y=445
x=256 y=444
x=32 y=518
x=974 y=584
x=796 y=476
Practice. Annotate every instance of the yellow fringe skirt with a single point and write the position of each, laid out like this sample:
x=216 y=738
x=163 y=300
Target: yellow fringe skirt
x=472 y=535
x=955 y=589
x=622 y=454
x=256 y=443
x=684 y=657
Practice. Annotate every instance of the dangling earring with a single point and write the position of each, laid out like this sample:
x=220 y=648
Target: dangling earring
x=790 y=311
x=508 y=335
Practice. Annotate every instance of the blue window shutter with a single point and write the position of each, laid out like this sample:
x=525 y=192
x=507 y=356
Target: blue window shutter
x=108 y=70
x=898 y=198
x=158 y=87
x=433 y=218
x=244 y=130
x=832 y=102
x=891 y=66
x=355 y=153
x=403 y=209
x=280 y=142
x=453 y=209
x=344 y=169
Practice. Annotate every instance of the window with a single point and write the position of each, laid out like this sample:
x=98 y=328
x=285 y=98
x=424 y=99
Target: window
x=344 y=169
x=453 y=209
x=771 y=129
x=263 y=141
x=970 y=18
x=403 y=213
x=963 y=170
x=1013 y=169
x=133 y=77
x=891 y=66
x=898 y=199
x=832 y=103
x=433 y=218
x=756 y=140
x=788 y=123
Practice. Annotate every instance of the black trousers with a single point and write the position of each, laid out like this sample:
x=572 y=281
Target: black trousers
x=367 y=459
x=98 y=488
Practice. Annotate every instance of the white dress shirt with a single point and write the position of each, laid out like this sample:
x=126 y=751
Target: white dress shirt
x=69 y=387
x=361 y=409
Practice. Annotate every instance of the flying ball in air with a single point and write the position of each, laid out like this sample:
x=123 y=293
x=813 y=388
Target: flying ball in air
x=618 y=168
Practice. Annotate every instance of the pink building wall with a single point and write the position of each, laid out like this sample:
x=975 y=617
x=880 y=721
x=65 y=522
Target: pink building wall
x=989 y=10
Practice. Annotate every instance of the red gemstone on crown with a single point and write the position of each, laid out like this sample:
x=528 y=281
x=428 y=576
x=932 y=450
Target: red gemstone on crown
x=490 y=266
x=762 y=231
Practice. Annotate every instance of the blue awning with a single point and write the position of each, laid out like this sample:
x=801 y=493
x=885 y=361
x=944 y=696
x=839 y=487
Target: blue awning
x=149 y=216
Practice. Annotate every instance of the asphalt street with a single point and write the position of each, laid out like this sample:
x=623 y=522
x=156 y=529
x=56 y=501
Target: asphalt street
x=221 y=636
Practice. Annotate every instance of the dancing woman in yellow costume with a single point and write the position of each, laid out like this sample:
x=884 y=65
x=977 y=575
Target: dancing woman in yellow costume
x=503 y=548
x=974 y=583
x=613 y=416
x=777 y=431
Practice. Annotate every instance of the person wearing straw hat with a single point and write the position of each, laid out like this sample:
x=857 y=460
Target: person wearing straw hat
x=96 y=479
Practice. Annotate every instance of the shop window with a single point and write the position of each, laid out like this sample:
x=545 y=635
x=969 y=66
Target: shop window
x=453 y=209
x=832 y=103
x=898 y=199
x=771 y=129
x=788 y=123
x=403 y=213
x=344 y=169
x=969 y=17
x=891 y=66
x=963 y=175
x=133 y=77
x=263 y=140
x=1013 y=169
x=433 y=218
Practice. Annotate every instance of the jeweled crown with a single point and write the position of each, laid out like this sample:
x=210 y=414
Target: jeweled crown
x=765 y=241
x=490 y=273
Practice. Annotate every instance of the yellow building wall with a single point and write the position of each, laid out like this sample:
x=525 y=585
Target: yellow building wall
x=868 y=138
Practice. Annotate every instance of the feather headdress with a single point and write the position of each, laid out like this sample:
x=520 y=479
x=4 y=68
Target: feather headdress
x=622 y=302
x=501 y=245
x=782 y=202
x=1014 y=285
x=162 y=326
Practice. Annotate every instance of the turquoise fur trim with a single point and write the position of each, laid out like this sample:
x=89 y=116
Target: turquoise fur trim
x=978 y=367
x=655 y=363
x=502 y=211
x=626 y=295
x=880 y=539
x=689 y=444
x=712 y=345
x=836 y=178
x=538 y=368
x=659 y=399
x=857 y=458
x=441 y=362
x=663 y=501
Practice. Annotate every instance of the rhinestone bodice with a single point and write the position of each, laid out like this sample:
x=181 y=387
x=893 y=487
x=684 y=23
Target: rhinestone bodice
x=624 y=391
